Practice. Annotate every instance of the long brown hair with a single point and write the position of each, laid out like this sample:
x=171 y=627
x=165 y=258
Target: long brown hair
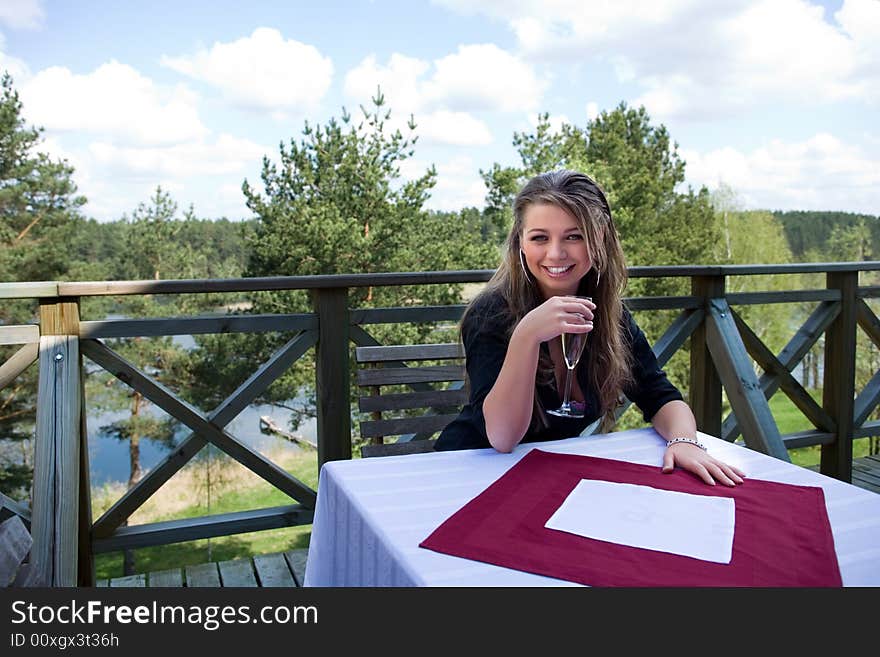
x=608 y=358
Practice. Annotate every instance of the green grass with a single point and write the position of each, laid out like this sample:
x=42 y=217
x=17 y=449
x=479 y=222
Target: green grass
x=251 y=495
x=789 y=420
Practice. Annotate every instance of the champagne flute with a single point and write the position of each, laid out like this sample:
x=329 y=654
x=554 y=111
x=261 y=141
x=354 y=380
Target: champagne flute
x=572 y=348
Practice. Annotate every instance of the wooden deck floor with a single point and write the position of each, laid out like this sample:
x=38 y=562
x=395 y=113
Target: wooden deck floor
x=866 y=473
x=287 y=569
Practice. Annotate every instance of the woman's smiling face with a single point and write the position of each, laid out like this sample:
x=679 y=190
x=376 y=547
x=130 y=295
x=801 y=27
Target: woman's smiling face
x=555 y=250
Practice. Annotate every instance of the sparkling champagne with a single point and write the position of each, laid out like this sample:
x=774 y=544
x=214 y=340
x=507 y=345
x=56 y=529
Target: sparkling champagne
x=572 y=347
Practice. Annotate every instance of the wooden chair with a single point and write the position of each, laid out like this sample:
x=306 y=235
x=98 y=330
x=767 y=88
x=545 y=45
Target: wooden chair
x=397 y=389
x=15 y=544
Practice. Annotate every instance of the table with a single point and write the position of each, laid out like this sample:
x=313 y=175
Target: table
x=372 y=514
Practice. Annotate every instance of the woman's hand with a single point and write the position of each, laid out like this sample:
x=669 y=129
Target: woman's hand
x=558 y=315
x=701 y=463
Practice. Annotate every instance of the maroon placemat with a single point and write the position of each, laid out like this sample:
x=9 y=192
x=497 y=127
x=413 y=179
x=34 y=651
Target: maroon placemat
x=782 y=533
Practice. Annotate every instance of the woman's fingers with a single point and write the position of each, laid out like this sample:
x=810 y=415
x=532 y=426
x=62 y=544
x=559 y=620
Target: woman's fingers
x=698 y=462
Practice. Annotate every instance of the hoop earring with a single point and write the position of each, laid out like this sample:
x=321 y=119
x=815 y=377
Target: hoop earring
x=522 y=263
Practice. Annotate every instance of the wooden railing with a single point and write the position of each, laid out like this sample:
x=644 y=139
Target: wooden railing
x=722 y=347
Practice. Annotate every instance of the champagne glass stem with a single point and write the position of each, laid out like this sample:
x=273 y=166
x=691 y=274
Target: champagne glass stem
x=566 y=403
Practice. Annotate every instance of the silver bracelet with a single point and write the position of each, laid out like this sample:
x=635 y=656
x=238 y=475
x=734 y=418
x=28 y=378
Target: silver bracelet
x=692 y=441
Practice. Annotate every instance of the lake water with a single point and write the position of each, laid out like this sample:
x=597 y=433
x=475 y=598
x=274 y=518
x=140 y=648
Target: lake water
x=108 y=456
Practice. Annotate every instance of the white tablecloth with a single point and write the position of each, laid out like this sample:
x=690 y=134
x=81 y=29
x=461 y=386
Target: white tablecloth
x=372 y=513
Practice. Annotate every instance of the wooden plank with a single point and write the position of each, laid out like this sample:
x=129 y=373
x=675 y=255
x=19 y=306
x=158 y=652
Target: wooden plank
x=28 y=290
x=407 y=315
x=332 y=385
x=677 y=334
x=867 y=400
x=363 y=339
x=59 y=316
x=663 y=303
x=203 y=575
x=405 y=400
x=125 y=328
x=85 y=556
x=319 y=282
x=401 y=352
x=858 y=479
x=867 y=473
x=19 y=334
x=781 y=296
x=10 y=507
x=807 y=438
x=273 y=571
x=112 y=288
x=189 y=529
x=237 y=573
x=793 y=352
x=171 y=578
x=739 y=379
x=838 y=387
x=868 y=321
x=296 y=559
x=705 y=384
x=397 y=426
x=55 y=517
x=192 y=417
x=15 y=543
x=381 y=376
x=772 y=367
x=130 y=581
x=871 y=428
x=398 y=449
x=225 y=412
x=18 y=363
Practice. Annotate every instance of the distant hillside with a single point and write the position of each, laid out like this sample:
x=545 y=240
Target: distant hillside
x=810 y=231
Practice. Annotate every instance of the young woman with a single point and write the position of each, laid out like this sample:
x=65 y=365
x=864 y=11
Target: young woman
x=563 y=245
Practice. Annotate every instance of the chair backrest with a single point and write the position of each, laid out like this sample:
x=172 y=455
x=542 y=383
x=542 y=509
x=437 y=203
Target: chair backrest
x=406 y=378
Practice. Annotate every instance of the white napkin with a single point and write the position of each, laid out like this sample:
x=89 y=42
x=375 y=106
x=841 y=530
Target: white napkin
x=699 y=526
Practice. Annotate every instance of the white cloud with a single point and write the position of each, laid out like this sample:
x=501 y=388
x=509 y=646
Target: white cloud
x=207 y=173
x=444 y=95
x=699 y=60
x=17 y=68
x=263 y=71
x=454 y=128
x=224 y=155
x=459 y=184
x=592 y=110
x=476 y=78
x=114 y=100
x=556 y=121
x=820 y=173
x=22 y=14
x=484 y=77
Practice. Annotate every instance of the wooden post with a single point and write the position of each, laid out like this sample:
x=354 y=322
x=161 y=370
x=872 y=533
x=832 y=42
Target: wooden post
x=85 y=557
x=55 y=520
x=705 y=387
x=332 y=378
x=838 y=386
x=739 y=380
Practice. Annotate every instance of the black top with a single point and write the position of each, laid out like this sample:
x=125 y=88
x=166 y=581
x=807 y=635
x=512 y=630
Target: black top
x=485 y=341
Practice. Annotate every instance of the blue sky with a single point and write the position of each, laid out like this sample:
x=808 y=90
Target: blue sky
x=778 y=99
